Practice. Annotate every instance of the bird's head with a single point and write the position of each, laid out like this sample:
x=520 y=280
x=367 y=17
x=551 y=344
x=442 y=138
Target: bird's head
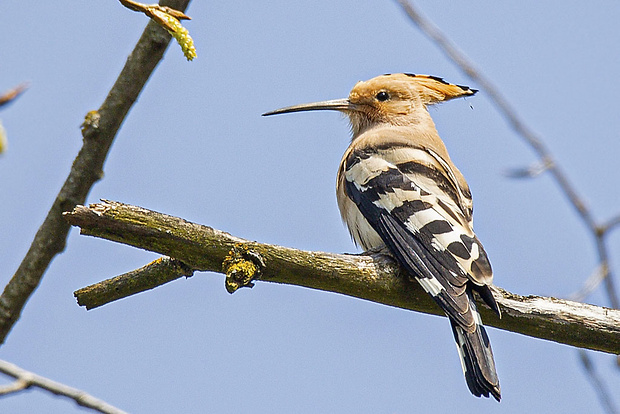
x=396 y=99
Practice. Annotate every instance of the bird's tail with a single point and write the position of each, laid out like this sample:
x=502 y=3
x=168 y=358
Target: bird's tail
x=477 y=360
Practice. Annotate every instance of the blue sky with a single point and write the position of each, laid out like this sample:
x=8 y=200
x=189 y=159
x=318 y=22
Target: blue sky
x=195 y=146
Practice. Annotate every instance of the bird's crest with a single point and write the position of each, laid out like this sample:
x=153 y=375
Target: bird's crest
x=432 y=89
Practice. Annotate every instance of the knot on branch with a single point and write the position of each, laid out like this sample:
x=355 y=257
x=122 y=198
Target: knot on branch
x=241 y=266
x=90 y=125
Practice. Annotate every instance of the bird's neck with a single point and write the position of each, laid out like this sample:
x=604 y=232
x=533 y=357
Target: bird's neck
x=418 y=122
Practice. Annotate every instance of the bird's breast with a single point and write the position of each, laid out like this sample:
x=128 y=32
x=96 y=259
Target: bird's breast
x=361 y=231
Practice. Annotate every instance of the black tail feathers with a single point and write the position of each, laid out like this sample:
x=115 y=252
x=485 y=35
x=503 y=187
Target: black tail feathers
x=477 y=361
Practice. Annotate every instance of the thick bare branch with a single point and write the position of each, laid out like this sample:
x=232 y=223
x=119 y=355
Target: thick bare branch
x=373 y=277
x=26 y=379
x=98 y=131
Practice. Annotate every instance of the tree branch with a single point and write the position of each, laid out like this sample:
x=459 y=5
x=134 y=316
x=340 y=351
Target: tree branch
x=26 y=379
x=597 y=382
x=373 y=277
x=152 y=275
x=98 y=132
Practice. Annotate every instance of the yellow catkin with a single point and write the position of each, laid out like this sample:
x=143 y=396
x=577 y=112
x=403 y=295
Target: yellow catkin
x=180 y=33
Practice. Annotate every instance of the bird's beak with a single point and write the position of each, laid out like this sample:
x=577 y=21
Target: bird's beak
x=333 y=105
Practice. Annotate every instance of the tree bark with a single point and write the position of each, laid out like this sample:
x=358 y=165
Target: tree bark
x=373 y=277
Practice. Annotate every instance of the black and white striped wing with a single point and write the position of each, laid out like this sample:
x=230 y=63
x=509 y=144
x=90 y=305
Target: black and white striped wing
x=413 y=205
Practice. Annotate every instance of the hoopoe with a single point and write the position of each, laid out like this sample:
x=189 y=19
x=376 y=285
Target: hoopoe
x=398 y=188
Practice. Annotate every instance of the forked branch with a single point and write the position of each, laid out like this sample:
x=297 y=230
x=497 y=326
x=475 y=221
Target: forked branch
x=373 y=277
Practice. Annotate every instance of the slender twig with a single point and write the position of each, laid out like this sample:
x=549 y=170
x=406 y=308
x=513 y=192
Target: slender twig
x=372 y=277
x=15 y=386
x=26 y=379
x=591 y=283
x=149 y=8
x=158 y=272
x=504 y=107
x=603 y=259
x=533 y=140
x=517 y=123
x=598 y=384
x=610 y=224
x=12 y=94
x=98 y=131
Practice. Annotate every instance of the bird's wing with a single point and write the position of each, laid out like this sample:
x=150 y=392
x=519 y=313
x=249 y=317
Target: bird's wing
x=412 y=203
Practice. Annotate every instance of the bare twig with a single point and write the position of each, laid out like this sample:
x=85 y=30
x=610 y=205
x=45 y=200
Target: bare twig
x=372 y=277
x=515 y=121
x=12 y=94
x=15 y=386
x=156 y=273
x=597 y=383
x=85 y=171
x=591 y=283
x=531 y=138
x=531 y=171
x=26 y=379
x=610 y=224
x=149 y=10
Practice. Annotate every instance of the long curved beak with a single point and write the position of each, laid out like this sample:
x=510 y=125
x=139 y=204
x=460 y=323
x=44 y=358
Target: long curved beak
x=333 y=105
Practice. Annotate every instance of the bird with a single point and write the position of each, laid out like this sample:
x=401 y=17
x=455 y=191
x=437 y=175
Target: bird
x=398 y=189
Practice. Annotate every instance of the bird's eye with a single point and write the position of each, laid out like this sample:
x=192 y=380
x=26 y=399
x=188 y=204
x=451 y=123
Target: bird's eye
x=382 y=96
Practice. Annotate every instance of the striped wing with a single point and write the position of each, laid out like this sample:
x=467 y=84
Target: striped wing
x=419 y=212
x=422 y=215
